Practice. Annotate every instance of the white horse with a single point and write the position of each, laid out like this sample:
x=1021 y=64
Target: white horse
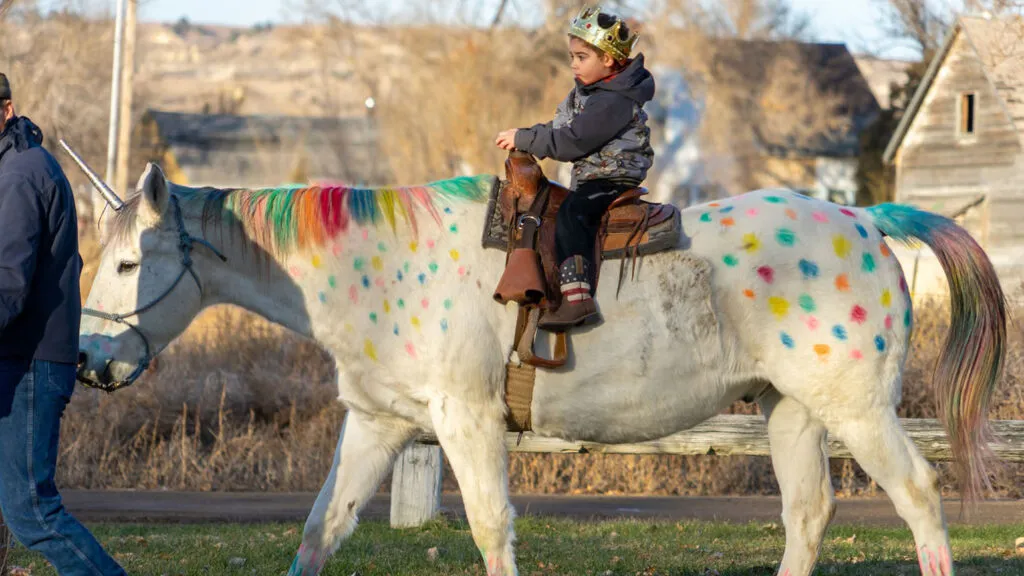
x=769 y=293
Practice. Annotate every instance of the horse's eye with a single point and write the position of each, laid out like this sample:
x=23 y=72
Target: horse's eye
x=126 y=267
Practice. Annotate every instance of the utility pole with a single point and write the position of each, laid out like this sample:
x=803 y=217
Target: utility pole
x=124 y=139
x=115 y=91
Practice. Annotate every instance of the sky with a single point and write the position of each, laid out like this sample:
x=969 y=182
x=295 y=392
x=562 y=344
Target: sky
x=854 y=22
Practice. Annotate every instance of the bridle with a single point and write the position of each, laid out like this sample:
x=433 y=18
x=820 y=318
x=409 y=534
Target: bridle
x=185 y=244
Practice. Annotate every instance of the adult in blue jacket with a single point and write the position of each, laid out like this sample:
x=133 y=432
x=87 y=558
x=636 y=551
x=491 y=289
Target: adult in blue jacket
x=40 y=308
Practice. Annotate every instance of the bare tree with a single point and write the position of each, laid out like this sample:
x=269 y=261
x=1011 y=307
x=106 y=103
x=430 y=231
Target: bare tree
x=917 y=21
x=441 y=88
x=499 y=13
x=1000 y=7
x=5 y=6
x=59 y=67
x=923 y=24
x=741 y=19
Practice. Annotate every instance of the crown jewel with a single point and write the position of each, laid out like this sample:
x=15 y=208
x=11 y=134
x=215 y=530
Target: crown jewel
x=613 y=40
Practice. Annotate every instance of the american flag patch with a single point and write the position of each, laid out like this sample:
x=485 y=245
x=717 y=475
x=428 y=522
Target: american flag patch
x=576 y=291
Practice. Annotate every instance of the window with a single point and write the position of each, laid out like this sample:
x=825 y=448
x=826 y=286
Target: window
x=966 y=113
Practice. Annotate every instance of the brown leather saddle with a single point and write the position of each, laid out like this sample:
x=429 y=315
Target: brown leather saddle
x=521 y=220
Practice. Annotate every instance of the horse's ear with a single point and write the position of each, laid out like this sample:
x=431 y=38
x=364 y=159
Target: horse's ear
x=155 y=194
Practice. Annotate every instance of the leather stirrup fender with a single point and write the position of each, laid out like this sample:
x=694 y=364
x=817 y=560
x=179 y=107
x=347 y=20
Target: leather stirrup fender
x=523 y=279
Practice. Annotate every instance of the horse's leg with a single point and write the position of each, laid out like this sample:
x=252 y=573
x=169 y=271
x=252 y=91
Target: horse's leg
x=366 y=451
x=800 y=460
x=473 y=438
x=881 y=446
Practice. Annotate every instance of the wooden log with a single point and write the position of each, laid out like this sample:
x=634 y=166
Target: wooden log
x=416 y=486
x=742 y=435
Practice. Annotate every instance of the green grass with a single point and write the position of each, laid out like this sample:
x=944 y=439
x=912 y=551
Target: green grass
x=545 y=547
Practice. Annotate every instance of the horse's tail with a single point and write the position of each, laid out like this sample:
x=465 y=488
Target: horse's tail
x=972 y=356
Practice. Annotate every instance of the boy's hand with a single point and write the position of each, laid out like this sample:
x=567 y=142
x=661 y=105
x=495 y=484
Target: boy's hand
x=507 y=139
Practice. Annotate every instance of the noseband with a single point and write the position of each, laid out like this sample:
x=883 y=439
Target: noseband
x=185 y=244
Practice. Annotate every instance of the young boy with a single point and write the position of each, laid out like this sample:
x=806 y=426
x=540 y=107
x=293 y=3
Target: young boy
x=602 y=129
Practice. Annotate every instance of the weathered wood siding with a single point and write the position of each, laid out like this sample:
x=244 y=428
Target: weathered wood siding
x=941 y=170
x=933 y=140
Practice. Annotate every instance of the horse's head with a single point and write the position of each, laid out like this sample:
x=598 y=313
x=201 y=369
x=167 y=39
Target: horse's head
x=148 y=287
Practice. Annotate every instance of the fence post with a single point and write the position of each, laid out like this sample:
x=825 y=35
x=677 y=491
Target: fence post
x=416 y=486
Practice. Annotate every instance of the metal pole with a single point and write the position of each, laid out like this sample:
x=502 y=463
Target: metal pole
x=125 y=117
x=115 y=91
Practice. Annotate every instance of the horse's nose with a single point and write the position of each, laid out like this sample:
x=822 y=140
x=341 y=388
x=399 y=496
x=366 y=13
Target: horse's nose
x=83 y=365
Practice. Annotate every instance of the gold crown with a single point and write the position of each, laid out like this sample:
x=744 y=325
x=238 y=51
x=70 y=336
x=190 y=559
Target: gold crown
x=611 y=40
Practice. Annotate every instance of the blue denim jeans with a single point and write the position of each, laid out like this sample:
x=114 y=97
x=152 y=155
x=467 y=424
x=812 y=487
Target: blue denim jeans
x=33 y=395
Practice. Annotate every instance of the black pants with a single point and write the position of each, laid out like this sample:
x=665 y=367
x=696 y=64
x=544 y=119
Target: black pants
x=579 y=217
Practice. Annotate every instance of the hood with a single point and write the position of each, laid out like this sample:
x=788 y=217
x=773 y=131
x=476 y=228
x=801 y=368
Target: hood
x=634 y=82
x=19 y=135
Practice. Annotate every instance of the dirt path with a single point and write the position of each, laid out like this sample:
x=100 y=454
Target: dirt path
x=130 y=506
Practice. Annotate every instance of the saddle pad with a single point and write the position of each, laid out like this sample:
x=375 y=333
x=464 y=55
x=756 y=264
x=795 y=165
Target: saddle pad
x=660 y=236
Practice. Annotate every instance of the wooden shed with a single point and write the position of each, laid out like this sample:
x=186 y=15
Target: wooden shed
x=252 y=151
x=958 y=149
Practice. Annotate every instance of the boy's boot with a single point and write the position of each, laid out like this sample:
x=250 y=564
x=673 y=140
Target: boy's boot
x=577 y=306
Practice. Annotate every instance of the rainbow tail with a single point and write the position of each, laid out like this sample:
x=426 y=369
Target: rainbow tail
x=971 y=362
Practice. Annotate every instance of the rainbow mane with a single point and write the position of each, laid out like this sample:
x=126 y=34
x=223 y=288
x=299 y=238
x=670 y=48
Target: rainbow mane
x=290 y=217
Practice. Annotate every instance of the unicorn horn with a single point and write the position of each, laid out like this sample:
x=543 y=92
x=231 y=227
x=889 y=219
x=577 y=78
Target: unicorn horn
x=108 y=194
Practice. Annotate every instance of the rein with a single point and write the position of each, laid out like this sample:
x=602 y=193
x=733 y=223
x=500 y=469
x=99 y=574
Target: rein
x=186 y=242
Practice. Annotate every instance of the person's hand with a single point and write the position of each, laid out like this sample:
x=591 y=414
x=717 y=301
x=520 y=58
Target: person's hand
x=507 y=139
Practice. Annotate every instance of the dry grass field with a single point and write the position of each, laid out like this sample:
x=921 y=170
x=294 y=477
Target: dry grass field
x=220 y=413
